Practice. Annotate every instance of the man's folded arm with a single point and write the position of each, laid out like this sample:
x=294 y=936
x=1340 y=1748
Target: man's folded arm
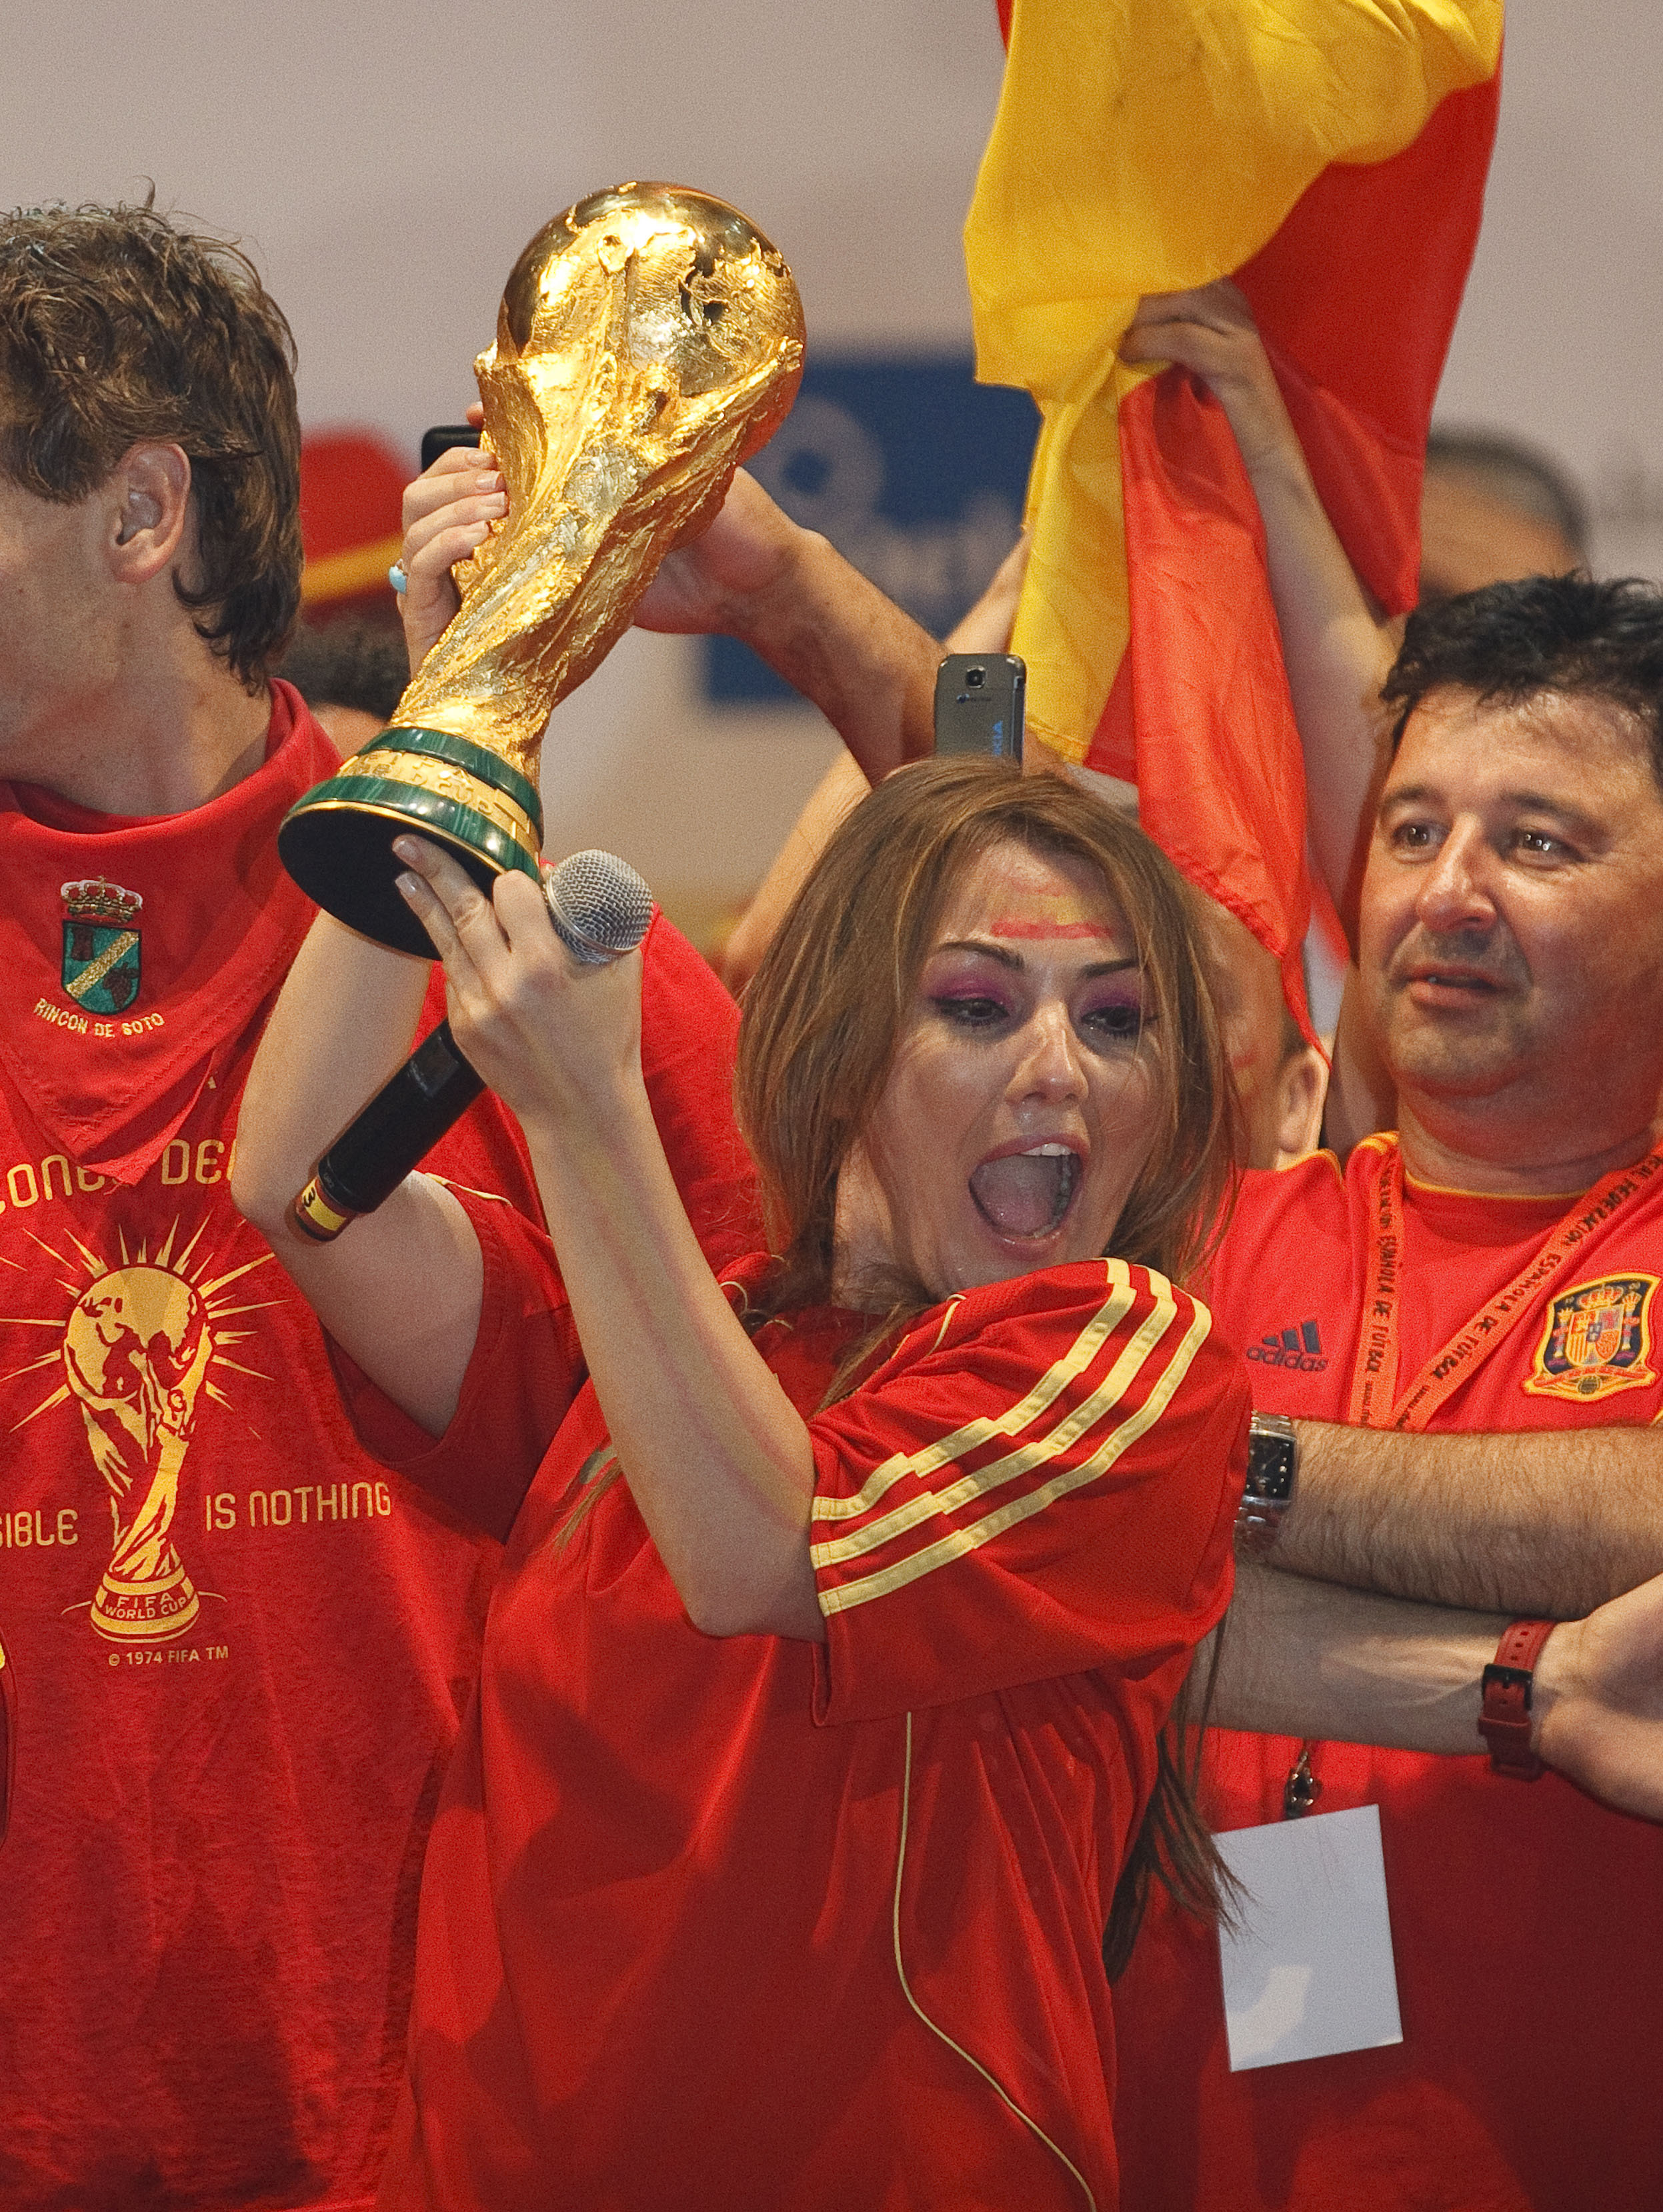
x=1305 y=1658
x=1549 y=1523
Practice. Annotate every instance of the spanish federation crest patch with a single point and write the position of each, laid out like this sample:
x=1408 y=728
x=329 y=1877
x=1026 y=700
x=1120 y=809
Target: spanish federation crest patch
x=101 y=945
x=1598 y=1339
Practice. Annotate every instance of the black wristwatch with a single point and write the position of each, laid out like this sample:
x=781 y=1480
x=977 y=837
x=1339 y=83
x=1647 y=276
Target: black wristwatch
x=1269 y=1491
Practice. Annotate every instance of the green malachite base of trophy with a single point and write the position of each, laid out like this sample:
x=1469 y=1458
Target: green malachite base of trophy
x=336 y=841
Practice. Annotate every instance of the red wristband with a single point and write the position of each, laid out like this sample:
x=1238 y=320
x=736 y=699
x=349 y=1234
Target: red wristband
x=1504 y=1720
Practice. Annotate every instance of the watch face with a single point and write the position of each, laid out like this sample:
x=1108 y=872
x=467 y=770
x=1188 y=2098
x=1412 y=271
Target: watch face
x=1270 y=1465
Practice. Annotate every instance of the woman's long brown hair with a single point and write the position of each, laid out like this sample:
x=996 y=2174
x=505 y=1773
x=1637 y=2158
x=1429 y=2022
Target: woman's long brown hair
x=823 y=1019
x=824 y=1016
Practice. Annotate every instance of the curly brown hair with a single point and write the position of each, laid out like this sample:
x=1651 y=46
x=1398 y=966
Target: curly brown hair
x=119 y=323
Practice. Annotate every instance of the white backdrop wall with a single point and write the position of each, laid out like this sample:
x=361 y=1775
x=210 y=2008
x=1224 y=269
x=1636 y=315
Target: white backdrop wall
x=384 y=166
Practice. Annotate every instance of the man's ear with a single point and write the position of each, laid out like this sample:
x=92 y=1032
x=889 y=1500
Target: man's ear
x=149 y=509
x=1301 y=1086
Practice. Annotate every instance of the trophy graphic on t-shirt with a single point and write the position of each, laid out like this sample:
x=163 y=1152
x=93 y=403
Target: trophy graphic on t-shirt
x=649 y=341
x=136 y=1350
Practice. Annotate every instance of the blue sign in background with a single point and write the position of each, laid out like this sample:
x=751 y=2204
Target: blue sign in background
x=915 y=473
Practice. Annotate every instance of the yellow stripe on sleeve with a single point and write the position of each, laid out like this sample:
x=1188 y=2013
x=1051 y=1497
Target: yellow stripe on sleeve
x=957 y=1541
x=1050 y=1386
x=928 y=1504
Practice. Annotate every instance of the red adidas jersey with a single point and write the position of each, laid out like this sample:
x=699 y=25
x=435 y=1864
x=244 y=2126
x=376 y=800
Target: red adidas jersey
x=746 y=1923
x=1527 y=1921
x=235 y=1647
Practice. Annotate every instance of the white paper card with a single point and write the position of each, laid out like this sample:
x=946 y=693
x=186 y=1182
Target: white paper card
x=1310 y=1972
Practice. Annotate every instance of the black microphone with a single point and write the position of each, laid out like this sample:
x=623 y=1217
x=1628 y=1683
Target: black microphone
x=600 y=910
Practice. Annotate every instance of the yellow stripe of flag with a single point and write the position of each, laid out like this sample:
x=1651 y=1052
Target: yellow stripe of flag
x=1146 y=146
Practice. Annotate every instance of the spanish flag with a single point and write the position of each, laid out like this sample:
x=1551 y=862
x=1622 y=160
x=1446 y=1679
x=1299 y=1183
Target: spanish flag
x=1331 y=156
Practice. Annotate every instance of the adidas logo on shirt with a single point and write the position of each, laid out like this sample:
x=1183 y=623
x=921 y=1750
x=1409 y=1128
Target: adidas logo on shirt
x=1299 y=1347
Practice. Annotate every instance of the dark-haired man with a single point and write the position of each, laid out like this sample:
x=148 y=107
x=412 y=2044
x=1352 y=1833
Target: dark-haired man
x=1492 y=1269
x=231 y=1650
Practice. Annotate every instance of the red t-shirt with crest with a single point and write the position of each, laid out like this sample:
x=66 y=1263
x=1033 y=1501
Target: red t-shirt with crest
x=235 y=1647
x=1527 y=1921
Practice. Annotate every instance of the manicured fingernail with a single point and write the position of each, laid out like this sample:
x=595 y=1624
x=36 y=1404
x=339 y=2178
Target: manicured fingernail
x=409 y=885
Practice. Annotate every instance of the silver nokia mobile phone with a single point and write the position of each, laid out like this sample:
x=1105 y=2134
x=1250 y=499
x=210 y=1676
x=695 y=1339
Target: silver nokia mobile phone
x=978 y=704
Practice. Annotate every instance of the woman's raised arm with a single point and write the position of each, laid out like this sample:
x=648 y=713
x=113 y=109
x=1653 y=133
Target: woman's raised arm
x=399 y=1289
x=717 y=1460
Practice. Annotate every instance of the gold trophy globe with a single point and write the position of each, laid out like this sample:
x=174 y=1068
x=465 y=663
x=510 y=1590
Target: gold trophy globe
x=649 y=341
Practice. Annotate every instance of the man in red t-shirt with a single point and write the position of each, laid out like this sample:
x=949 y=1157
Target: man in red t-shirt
x=1490 y=1270
x=233 y=1651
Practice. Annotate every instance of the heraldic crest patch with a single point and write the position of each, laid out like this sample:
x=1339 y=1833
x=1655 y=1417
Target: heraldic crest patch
x=1598 y=1339
x=101 y=945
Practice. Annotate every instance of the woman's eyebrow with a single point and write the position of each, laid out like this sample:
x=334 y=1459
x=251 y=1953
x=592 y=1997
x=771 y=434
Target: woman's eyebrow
x=1014 y=960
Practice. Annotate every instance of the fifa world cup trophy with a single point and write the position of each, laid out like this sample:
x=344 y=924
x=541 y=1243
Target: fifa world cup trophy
x=649 y=340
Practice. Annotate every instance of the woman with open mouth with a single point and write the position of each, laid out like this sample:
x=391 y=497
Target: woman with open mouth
x=819 y=1736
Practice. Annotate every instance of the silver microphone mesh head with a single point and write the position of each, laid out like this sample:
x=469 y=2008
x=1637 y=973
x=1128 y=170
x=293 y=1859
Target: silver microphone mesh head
x=599 y=906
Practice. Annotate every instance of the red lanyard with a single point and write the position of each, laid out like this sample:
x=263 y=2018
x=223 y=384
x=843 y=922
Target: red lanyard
x=1374 y=1404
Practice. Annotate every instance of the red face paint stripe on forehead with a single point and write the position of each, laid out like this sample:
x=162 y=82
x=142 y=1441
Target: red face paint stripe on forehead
x=1009 y=928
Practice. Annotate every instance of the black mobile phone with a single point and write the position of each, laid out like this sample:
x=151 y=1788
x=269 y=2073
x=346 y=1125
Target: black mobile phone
x=442 y=436
x=978 y=704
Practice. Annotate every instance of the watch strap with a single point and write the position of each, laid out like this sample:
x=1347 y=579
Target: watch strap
x=1504 y=1719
